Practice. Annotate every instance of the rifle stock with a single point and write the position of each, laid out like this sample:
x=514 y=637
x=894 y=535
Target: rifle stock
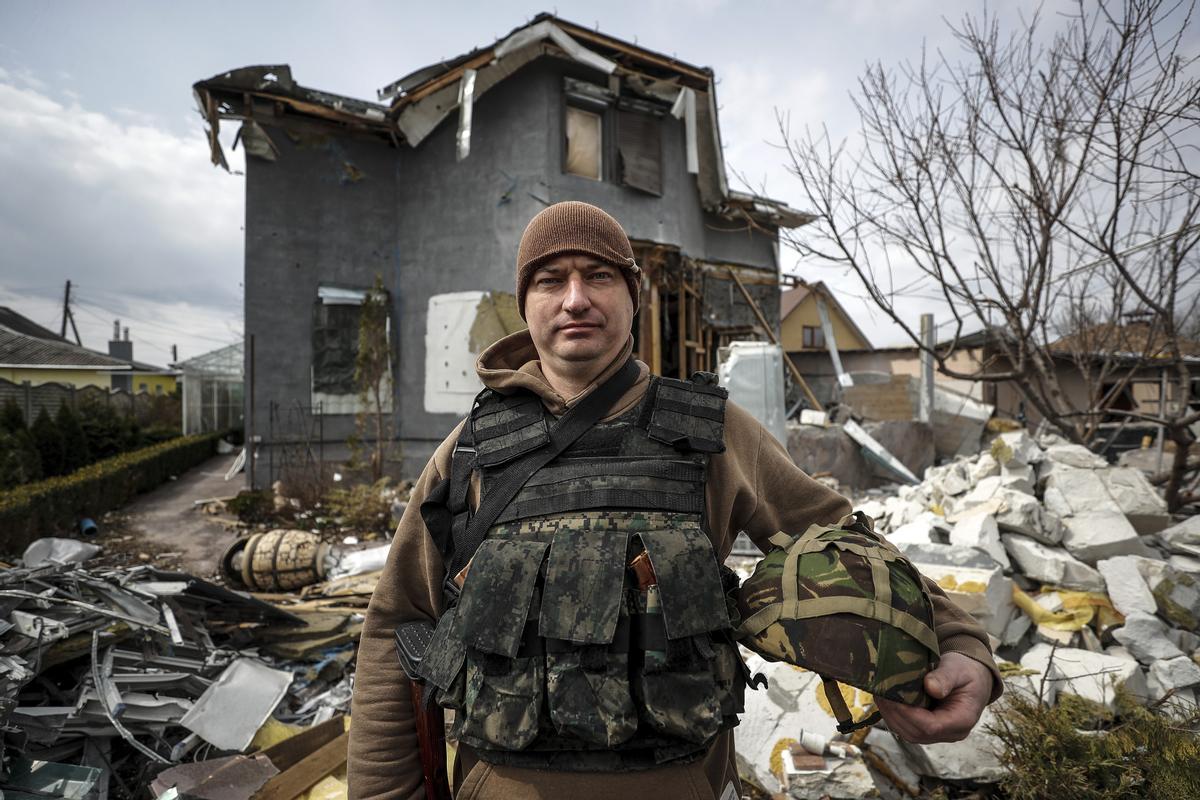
x=412 y=640
x=431 y=737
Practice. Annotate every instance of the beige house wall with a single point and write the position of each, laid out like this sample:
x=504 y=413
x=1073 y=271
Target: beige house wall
x=805 y=314
x=70 y=377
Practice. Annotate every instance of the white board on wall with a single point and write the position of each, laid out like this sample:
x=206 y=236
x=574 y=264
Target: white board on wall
x=450 y=380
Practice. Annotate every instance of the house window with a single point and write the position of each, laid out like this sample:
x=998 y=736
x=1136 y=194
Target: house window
x=336 y=317
x=639 y=151
x=813 y=337
x=584 y=143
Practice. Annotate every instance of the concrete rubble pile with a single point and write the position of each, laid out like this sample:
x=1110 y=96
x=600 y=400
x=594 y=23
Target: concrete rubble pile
x=1084 y=582
x=118 y=679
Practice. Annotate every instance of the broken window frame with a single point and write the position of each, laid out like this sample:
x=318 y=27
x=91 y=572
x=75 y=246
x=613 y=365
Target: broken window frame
x=639 y=160
x=344 y=402
x=598 y=113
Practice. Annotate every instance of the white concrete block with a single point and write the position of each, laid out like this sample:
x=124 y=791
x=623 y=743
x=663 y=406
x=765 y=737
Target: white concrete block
x=984 y=593
x=916 y=532
x=1018 y=477
x=899 y=511
x=976 y=758
x=1174 y=673
x=1016 y=447
x=1047 y=635
x=1176 y=593
x=1018 y=625
x=985 y=466
x=1079 y=491
x=1186 y=641
x=1183 y=538
x=980 y=531
x=1051 y=565
x=1125 y=585
x=1092 y=536
x=1141 y=503
x=1145 y=636
x=1091 y=676
x=1189 y=564
x=1074 y=455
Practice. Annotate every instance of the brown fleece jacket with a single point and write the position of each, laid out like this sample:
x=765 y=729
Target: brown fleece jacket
x=753 y=486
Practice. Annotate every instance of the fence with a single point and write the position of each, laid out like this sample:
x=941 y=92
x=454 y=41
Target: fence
x=146 y=408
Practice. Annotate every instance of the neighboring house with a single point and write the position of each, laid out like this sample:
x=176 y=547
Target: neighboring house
x=431 y=190
x=877 y=365
x=800 y=321
x=34 y=354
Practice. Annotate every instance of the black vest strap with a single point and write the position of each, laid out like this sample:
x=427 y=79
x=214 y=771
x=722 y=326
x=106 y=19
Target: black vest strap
x=569 y=427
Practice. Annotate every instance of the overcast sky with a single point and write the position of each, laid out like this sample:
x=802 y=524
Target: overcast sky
x=106 y=174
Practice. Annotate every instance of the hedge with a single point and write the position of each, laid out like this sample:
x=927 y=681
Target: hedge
x=56 y=505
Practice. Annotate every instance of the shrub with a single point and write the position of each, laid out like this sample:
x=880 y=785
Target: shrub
x=365 y=507
x=49 y=442
x=19 y=460
x=108 y=433
x=75 y=447
x=1079 y=750
x=252 y=505
x=11 y=417
x=41 y=509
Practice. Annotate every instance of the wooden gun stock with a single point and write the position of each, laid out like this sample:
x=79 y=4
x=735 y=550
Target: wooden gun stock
x=431 y=737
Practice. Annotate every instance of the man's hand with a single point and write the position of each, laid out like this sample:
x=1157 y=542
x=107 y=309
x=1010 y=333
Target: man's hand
x=960 y=688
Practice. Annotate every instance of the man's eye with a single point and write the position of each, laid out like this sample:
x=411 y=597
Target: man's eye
x=601 y=275
x=547 y=281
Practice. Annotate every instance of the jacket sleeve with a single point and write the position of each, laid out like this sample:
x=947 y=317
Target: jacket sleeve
x=384 y=760
x=754 y=486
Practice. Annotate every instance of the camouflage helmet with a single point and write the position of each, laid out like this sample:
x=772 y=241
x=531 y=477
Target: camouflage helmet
x=845 y=604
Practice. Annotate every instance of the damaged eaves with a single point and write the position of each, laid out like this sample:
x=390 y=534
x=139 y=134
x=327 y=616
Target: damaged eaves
x=421 y=101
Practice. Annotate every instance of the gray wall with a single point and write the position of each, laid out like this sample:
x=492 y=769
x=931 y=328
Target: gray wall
x=430 y=225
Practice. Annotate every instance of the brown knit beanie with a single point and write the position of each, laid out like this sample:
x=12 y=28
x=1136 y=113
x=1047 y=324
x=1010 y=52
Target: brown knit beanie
x=575 y=227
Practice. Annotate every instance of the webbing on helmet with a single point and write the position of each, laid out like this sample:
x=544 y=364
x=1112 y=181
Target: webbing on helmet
x=837 y=704
x=824 y=606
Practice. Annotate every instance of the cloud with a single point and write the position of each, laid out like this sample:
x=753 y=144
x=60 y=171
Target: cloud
x=134 y=215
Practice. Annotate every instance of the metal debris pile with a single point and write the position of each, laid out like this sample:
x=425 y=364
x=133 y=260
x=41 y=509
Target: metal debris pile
x=116 y=679
x=1084 y=582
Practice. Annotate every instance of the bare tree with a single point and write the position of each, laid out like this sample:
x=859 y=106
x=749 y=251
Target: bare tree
x=1043 y=184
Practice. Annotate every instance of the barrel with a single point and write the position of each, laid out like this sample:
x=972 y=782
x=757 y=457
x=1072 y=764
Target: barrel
x=282 y=560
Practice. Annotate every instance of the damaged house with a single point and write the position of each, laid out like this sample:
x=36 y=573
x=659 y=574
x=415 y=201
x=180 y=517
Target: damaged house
x=431 y=187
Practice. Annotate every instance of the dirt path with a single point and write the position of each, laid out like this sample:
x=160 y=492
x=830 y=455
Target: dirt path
x=167 y=520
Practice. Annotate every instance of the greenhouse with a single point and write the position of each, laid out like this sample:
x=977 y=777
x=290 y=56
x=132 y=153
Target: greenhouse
x=212 y=390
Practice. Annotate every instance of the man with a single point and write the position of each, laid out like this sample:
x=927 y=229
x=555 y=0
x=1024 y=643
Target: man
x=577 y=288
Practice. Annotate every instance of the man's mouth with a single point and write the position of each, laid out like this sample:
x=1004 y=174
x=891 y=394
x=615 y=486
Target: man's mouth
x=578 y=326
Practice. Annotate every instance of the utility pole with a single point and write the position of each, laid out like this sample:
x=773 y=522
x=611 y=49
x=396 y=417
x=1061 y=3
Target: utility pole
x=174 y=354
x=67 y=314
x=925 y=406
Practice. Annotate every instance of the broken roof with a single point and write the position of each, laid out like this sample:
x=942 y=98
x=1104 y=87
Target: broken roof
x=423 y=99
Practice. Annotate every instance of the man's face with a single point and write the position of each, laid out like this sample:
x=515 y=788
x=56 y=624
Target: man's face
x=579 y=310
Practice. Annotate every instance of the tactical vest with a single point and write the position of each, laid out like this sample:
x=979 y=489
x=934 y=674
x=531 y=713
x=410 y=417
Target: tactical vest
x=564 y=650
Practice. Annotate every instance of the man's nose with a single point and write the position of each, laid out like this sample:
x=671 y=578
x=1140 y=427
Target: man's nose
x=576 y=299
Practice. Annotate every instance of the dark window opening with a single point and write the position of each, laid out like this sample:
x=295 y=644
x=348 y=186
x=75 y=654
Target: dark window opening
x=335 y=347
x=813 y=337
